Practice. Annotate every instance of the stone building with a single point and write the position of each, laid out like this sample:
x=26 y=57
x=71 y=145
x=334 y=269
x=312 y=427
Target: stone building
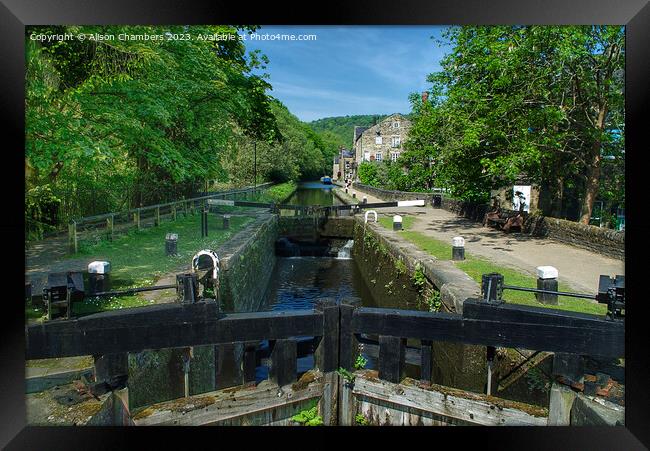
x=343 y=165
x=382 y=141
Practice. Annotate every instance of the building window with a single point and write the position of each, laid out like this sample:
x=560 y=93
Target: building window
x=378 y=140
x=394 y=156
x=378 y=156
x=395 y=124
x=396 y=142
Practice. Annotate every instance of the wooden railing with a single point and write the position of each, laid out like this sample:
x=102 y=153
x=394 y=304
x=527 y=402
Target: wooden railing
x=108 y=225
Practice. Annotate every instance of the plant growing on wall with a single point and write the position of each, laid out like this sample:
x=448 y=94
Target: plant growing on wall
x=360 y=420
x=360 y=363
x=419 y=279
x=308 y=417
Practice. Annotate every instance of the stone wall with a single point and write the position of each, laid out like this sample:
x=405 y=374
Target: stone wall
x=388 y=264
x=313 y=228
x=246 y=264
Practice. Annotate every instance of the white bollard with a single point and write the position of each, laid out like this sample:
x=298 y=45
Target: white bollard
x=397 y=222
x=365 y=200
x=547 y=280
x=458 y=248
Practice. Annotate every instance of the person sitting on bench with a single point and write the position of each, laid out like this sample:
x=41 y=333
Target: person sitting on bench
x=494 y=213
x=515 y=221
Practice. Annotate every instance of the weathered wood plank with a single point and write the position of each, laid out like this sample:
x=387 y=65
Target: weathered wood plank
x=328 y=404
x=326 y=357
x=163 y=326
x=426 y=361
x=447 y=402
x=283 y=361
x=249 y=362
x=347 y=403
x=348 y=344
x=391 y=358
x=607 y=341
x=244 y=405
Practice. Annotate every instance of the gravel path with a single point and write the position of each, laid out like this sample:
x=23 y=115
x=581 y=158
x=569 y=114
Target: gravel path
x=578 y=268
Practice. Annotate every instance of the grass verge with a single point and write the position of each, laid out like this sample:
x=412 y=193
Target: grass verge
x=138 y=258
x=475 y=267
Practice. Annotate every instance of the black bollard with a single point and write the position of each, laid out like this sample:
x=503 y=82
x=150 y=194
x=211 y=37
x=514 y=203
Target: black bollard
x=492 y=287
x=171 y=244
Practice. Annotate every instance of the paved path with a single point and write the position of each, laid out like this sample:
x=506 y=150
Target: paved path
x=578 y=268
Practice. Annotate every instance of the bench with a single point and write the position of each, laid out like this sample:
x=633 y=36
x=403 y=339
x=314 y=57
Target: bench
x=501 y=221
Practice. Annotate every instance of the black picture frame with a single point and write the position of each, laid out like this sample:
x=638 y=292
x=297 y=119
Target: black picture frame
x=15 y=14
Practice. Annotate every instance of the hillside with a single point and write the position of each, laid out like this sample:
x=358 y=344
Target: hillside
x=341 y=128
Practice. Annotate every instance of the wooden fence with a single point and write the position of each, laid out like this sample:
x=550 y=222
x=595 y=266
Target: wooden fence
x=108 y=225
x=337 y=329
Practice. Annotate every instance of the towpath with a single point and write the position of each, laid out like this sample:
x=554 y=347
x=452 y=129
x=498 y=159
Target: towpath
x=578 y=268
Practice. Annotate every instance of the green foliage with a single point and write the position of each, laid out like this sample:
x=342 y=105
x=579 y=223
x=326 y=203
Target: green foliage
x=345 y=374
x=360 y=420
x=308 y=417
x=112 y=125
x=340 y=129
x=400 y=267
x=434 y=301
x=418 y=279
x=543 y=101
x=360 y=362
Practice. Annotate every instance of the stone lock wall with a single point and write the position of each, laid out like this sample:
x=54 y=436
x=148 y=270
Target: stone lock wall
x=387 y=262
x=247 y=261
x=246 y=264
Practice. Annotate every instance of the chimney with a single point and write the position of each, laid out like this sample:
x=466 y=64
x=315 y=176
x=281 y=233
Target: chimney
x=425 y=96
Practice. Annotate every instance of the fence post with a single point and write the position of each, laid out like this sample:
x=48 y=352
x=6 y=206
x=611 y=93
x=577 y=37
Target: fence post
x=426 y=361
x=348 y=343
x=326 y=356
x=157 y=218
x=110 y=224
x=174 y=211
x=136 y=218
x=391 y=358
x=72 y=237
x=283 y=361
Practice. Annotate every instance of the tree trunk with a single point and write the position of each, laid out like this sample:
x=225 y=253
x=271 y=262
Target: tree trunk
x=591 y=186
x=592 y=181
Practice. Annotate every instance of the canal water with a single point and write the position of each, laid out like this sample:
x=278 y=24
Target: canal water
x=313 y=193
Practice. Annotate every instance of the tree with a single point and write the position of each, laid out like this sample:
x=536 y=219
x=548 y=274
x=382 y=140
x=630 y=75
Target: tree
x=541 y=101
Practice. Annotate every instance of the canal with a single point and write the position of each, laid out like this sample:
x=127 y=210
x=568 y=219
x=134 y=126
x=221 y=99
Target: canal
x=298 y=282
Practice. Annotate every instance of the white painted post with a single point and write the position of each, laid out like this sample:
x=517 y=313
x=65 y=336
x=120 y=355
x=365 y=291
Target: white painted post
x=547 y=280
x=354 y=194
x=458 y=248
x=365 y=200
x=367 y=213
x=397 y=222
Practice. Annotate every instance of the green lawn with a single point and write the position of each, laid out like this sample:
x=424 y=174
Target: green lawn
x=138 y=259
x=475 y=267
x=407 y=222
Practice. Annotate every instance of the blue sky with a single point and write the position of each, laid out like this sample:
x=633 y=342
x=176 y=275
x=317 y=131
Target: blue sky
x=349 y=70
